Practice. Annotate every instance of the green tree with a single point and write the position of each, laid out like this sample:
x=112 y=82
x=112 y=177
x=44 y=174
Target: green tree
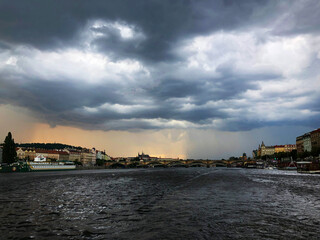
x=100 y=162
x=9 y=153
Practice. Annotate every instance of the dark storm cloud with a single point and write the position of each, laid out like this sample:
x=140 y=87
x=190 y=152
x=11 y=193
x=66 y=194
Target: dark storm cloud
x=203 y=90
x=62 y=102
x=48 y=24
x=156 y=83
x=58 y=96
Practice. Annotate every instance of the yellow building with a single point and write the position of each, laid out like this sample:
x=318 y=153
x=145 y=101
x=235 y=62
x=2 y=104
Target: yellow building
x=30 y=154
x=53 y=154
x=266 y=150
x=279 y=148
x=20 y=153
x=270 y=150
x=88 y=157
x=290 y=147
x=49 y=154
x=74 y=155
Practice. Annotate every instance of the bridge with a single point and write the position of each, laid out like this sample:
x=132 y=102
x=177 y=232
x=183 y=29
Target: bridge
x=170 y=163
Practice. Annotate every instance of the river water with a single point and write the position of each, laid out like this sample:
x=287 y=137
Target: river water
x=174 y=203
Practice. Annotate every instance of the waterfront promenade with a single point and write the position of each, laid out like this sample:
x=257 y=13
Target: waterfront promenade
x=174 y=203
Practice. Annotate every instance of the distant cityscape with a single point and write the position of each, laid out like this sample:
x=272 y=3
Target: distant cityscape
x=79 y=155
x=306 y=147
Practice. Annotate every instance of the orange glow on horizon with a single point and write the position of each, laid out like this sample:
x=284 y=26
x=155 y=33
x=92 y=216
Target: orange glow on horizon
x=26 y=128
x=116 y=143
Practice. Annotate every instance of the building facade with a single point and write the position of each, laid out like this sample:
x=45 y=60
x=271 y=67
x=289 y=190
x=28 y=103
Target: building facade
x=299 y=144
x=99 y=155
x=48 y=154
x=266 y=150
x=88 y=157
x=74 y=155
x=53 y=154
x=315 y=139
x=21 y=154
x=279 y=148
x=285 y=148
x=30 y=154
x=63 y=156
x=290 y=147
x=307 y=142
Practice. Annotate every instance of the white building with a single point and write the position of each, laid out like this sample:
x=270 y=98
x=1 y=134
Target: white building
x=307 y=142
x=103 y=155
x=99 y=155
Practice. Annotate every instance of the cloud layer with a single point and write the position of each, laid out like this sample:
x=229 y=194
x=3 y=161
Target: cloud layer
x=121 y=65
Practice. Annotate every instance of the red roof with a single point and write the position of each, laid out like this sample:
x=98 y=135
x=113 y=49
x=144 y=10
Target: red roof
x=73 y=151
x=51 y=152
x=315 y=131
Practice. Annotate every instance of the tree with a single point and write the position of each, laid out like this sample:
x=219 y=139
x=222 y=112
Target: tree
x=100 y=162
x=9 y=153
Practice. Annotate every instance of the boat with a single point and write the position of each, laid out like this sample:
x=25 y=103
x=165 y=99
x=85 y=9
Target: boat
x=292 y=166
x=250 y=164
x=41 y=164
x=271 y=168
x=260 y=165
x=312 y=167
x=50 y=166
x=285 y=165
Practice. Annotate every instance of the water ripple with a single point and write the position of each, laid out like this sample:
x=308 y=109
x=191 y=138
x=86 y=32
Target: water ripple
x=194 y=203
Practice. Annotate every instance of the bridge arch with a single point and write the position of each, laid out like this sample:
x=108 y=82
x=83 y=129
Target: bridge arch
x=220 y=164
x=117 y=165
x=156 y=164
x=176 y=164
x=197 y=164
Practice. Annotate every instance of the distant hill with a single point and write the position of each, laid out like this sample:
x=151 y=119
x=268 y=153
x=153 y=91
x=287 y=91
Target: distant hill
x=46 y=145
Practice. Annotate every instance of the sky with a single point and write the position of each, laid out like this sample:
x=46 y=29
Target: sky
x=188 y=79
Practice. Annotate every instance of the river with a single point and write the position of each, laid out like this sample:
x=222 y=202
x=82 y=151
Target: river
x=173 y=203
